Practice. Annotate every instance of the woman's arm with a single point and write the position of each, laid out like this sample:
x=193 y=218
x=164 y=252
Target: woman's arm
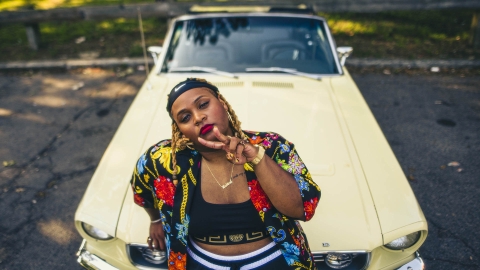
x=280 y=187
x=156 y=230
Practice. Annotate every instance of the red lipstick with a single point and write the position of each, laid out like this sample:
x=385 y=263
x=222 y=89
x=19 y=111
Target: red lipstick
x=205 y=129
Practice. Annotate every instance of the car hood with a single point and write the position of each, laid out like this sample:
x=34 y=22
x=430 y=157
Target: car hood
x=303 y=111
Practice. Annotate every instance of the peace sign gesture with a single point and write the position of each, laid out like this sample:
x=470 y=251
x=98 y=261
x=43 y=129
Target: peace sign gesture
x=238 y=151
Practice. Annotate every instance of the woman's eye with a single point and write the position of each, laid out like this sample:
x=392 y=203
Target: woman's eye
x=185 y=118
x=204 y=104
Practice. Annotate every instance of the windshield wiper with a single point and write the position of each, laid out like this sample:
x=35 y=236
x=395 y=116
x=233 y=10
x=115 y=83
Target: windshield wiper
x=284 y=70
x=204 y=69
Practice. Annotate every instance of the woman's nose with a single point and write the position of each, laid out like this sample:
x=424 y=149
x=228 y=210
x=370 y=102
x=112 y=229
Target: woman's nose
x=199 y=117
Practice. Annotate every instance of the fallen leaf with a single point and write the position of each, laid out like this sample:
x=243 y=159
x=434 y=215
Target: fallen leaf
x=411 y=177
x=51 y=184
x=78 y=86
x=8 y=163
x=454 y=164
x=94 y=70
x=18 y=190
x=80 y=40
x=34 y=201
x=459 y=170
x=443 y=167
x=435 y=69
x=387 y=72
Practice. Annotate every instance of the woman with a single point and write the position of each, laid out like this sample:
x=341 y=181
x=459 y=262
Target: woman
x=224 y=198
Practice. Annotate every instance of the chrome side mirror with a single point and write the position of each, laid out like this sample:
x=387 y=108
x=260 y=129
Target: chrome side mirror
x=343 y=53
x=155 y=51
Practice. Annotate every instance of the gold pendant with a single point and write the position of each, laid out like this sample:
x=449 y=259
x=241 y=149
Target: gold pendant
x=227 y=184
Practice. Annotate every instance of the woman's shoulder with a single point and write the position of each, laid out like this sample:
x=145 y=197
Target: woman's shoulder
x=162 y=146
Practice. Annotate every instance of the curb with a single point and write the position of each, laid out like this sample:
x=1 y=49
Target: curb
x=73 y=63
x=112 y=62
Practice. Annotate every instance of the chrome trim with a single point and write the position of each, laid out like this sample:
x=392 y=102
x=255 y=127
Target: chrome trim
x=339 y=251
x=141 y=267
x=169 y=35
x=415 y=264
x=368 y=253
x=91 y=261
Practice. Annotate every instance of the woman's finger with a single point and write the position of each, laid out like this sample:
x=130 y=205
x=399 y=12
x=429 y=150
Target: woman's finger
x=161 y=244
x=239 y=152
x=211 y=144
x=156 y=243
x=222 y=138
x=149 y=242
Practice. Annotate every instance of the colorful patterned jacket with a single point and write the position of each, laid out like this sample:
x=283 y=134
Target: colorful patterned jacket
x=153 y=188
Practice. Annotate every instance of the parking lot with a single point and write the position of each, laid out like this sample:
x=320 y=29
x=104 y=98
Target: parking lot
x=54 y=128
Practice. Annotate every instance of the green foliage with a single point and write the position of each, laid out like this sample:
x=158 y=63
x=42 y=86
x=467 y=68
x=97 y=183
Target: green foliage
x=110 y=38
x=405 y=34
x=399 y=34
x=49 y=4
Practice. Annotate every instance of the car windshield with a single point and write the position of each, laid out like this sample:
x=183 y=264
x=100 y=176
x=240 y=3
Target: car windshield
x=235 y=44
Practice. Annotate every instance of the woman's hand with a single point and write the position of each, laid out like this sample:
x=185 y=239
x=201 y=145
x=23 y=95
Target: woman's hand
x=157 y=237
x=238 y=151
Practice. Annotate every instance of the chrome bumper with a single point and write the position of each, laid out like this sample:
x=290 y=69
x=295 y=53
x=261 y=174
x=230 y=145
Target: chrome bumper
x=90 y=261
x=415 y=264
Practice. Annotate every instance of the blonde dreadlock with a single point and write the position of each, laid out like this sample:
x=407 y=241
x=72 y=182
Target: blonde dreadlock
x=180 y=142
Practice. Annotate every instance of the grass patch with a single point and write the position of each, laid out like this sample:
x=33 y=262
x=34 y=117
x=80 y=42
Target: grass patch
x=434 y=34
x=405 y=34
x=111 y=38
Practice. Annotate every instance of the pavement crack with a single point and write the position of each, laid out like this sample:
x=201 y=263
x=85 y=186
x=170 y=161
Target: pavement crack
x=455 y=236
x=44 y=150
x=450 y=261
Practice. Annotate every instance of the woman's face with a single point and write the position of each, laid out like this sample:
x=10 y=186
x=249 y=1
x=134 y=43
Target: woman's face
x=196 y=112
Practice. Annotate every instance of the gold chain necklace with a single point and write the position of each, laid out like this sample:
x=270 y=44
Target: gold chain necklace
x=224 y=185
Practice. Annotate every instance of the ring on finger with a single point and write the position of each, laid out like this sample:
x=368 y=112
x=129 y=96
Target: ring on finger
x=230 y=156
x=242 y=143
x=149 y=239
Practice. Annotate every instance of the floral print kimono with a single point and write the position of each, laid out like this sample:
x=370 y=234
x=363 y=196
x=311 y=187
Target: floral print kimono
x=153 y=188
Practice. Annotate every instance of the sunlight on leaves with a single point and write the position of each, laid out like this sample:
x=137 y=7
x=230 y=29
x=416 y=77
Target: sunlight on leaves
x=105 y=25
x=349 y=27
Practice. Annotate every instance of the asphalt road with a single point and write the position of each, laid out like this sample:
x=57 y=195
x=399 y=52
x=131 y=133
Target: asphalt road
x=53 y=132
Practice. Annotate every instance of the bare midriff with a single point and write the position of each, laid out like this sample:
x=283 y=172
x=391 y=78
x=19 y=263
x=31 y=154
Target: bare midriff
x=233 y=250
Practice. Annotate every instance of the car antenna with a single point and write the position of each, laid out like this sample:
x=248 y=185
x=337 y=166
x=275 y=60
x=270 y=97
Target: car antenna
x=147 y=70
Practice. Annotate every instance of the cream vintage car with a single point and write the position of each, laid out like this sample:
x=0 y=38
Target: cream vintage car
x=281 y=72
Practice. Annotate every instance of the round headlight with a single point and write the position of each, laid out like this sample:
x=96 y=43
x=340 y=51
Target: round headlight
x=96 y=232
x=404 y=241
x=338 y=261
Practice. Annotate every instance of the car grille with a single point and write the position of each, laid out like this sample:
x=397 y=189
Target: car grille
x=137 y=252
x=359 y=260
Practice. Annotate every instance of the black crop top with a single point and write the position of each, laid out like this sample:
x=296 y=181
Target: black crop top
x=224 y=224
